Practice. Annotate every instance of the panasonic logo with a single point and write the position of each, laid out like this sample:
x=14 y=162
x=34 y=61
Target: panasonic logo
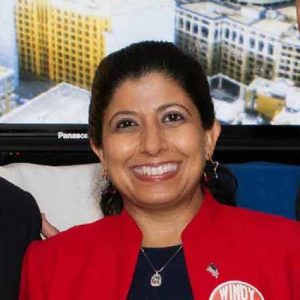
x=72 y=136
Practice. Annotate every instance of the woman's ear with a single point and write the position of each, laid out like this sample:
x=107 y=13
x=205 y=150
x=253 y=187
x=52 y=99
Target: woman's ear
x=212 y=135
x=98 y=151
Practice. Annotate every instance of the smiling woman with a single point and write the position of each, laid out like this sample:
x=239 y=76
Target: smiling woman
x=154 y=147
x=152 y=125
x=157 y=113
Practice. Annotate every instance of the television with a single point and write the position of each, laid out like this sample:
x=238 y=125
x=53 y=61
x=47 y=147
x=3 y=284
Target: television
x=49 y=50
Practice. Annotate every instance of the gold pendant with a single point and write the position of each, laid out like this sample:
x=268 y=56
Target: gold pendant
x=155 y=280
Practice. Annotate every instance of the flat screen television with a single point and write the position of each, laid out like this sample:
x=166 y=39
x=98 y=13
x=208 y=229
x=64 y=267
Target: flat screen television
x=49 y=50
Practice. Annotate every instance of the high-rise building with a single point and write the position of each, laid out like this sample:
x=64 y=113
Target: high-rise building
x=239 y=42
x=76 y=40
x=31 y=25
x=64 y=40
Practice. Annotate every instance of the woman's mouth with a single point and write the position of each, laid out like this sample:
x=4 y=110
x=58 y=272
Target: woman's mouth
x=156 y=172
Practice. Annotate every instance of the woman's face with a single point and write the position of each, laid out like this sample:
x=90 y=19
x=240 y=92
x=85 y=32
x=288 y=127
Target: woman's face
x=154 y=147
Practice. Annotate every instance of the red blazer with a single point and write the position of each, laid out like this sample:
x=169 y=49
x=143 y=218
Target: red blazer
x=230 y=254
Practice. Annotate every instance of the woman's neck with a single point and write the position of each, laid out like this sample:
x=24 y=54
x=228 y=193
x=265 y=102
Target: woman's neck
x=163 y=227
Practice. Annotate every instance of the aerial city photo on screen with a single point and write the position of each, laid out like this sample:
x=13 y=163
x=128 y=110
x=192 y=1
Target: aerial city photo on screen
x=49 y=50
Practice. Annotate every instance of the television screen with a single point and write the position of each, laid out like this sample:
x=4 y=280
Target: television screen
x=49 y=50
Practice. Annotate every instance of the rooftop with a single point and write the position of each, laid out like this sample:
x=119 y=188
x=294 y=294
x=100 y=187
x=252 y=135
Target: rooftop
x=292 y=37
x=273 y=26
x=63 y=103
x=289 y=12
x=228 y=112
x=281 y=88
x=272 y=88
x=108 y=7
x=209 y=9
x=278 y=23
x=287 y=117
x=242 y=19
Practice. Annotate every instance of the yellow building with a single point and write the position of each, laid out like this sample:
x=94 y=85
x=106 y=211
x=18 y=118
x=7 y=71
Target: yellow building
x=268 y=98
x=32 y=36
x=59 y=42
x=269 y=106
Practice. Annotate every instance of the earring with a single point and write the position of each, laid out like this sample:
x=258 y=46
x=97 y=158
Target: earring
x=211 y=170
x=205 y=177
x=104 y=180
x=106 y=185
x=215 y=167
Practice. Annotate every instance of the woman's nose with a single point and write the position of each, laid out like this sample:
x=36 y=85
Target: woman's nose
x=153 y=139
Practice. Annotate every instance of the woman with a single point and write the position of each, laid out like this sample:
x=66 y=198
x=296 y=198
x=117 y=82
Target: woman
x=152 y=125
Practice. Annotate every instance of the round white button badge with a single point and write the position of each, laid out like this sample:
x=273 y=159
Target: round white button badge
x=236 y=290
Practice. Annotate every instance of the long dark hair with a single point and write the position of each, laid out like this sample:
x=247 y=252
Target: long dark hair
x=134 y=62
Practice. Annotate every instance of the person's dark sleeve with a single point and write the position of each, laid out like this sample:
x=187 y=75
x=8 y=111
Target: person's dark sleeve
x=20 y=223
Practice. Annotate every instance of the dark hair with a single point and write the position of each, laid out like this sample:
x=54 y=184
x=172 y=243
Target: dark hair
x=224 y=186
x=133 y=62
x=138 y=60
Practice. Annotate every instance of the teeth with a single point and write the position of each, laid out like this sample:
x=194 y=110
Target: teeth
x=152 y=171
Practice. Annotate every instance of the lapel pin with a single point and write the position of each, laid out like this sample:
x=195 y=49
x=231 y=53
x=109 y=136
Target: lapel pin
x=213 y=270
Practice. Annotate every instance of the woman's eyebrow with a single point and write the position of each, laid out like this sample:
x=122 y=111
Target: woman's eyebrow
x=168 y=105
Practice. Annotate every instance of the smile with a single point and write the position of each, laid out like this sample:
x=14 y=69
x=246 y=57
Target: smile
x=157 y=170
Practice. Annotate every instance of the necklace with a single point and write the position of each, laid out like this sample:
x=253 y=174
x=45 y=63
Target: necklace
x=156 y=279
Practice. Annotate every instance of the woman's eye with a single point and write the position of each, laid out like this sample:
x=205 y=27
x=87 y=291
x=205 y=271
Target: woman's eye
x=125 y=124
x=173 y=117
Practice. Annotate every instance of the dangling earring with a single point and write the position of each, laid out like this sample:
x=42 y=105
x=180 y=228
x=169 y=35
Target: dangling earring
x=205 y=177
x=106 y=186
x=215 y=167
x=104 y=180
x=211 y=170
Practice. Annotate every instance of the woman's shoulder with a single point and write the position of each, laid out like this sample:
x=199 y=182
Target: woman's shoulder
x=260 y=224
x=257 y=217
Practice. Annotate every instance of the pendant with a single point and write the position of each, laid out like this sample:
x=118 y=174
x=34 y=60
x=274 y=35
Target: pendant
x=155 y=280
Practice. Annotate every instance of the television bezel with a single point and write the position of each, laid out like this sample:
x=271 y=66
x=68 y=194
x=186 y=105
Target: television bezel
x=236 y=143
